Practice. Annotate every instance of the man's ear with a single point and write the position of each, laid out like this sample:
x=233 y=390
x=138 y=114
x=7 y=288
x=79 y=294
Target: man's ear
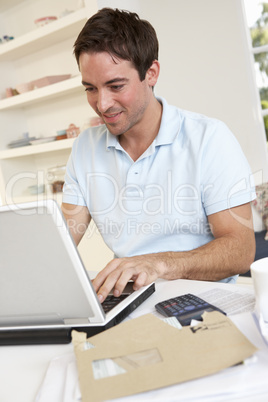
x=153 y=73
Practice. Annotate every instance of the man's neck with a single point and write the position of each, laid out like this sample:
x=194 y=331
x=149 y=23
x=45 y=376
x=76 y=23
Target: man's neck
x=136 y=142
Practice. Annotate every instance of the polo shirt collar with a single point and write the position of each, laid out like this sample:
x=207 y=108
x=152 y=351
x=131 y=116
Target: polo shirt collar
x=170 y=124
x=111 y=140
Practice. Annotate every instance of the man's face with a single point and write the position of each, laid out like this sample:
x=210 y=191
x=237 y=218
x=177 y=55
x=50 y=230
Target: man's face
x=114 y=91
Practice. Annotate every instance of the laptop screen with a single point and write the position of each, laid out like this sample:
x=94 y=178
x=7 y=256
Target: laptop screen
x=42 y=277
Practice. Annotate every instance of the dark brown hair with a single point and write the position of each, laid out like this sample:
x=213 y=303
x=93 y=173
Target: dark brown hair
x=122 y=34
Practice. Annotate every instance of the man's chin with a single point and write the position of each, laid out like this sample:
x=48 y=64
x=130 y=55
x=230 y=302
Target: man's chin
x=116 y=131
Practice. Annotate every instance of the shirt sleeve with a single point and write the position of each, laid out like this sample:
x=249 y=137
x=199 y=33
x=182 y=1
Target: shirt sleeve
x=225 y=173
x=72 y=192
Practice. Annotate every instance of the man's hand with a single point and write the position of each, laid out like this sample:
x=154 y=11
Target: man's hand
x=142 y=269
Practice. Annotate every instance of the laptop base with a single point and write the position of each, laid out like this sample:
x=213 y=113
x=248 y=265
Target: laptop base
x=41 y=336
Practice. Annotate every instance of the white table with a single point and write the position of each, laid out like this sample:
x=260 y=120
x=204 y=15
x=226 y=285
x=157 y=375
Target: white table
x=22 y=368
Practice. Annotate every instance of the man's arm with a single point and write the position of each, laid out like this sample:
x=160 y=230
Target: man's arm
x=77 y=218
x=230 y=253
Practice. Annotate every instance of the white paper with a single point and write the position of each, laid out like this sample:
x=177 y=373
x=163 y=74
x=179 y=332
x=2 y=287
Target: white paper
x=53 y=386
x=72 y=390
x=235 y=301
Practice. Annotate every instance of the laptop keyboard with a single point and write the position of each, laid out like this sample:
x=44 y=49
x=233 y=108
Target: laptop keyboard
x=112 y=301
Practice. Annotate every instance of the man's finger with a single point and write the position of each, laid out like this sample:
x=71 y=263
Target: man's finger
x=99 y=280
x=140 y=281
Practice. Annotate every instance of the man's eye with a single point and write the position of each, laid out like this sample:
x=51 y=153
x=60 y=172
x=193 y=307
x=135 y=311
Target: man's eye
x=117 y=87
x=89 y=89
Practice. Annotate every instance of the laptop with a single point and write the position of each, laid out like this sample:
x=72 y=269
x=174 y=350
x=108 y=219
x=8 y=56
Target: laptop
x=45 y=290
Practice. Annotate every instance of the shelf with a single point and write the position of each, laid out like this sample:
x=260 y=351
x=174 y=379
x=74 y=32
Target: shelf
x=57 y=31
x=37 y=149
x=49 y=92
x=6 y=4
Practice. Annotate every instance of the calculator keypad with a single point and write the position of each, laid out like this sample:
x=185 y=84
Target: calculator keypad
x=185 y=308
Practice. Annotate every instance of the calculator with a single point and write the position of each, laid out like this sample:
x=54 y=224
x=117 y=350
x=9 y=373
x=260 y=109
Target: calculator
x=185 y=308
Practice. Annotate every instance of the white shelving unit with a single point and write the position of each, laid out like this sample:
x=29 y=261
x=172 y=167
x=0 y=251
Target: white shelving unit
x=36 y=53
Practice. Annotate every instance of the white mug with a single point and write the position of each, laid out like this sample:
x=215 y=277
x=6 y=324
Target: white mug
x=259 y=273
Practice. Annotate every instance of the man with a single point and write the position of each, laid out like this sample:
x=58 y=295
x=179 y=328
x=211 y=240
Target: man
x=168 y=189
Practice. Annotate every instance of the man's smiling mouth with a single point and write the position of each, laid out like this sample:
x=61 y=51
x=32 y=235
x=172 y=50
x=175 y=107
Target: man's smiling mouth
x=111 y=118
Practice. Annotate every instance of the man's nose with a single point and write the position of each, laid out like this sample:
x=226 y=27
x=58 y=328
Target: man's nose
x=104 y=101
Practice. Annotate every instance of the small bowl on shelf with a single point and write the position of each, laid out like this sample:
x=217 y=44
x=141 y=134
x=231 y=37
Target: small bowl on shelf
x=25 y=87
x=40 y=22
x=72 y=131
x=52 y=79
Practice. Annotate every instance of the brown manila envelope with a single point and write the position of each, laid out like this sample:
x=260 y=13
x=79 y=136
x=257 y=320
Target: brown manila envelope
x=151 y=354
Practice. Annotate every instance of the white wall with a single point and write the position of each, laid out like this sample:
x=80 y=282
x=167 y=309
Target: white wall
x=206 y=65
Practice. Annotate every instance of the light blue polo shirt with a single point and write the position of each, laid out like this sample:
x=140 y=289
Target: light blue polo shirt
x=194 y=167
